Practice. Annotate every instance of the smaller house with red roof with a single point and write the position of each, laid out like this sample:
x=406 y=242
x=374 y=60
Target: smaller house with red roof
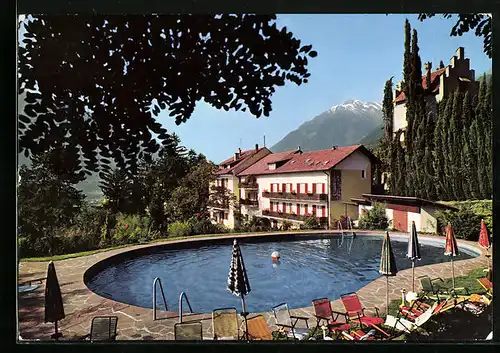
x=438 y=84
x=293 y=185
x=222 y=210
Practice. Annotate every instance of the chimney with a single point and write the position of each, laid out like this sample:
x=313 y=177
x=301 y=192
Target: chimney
x=460 y=53
x=298 y=149
x=256 y=147
x=237 y=154
x=239 y=150
x=334 y=147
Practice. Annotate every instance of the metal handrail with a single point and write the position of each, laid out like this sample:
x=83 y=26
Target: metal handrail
x=157 y=279
x=342 y=232
x=180 y=305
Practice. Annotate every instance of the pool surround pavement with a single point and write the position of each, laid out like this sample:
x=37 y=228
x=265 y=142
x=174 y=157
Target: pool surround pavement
x=136 y=323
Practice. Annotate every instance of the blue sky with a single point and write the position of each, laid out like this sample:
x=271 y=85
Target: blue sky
x=356 y=55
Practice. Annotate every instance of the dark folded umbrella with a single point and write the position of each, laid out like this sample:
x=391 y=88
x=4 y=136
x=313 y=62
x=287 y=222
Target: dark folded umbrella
x=54 y=309
x=387 y=263
x=413 y=251
x=237 y=281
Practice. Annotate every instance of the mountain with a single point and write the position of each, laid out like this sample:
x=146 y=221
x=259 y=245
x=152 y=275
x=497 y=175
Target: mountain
x=342 y=125
x=373 y=137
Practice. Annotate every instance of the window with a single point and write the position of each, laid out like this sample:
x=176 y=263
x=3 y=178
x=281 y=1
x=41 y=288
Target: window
x=363 y=174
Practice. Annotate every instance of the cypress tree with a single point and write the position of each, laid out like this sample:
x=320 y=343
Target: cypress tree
x=454 y=150
x=488 y=133
x=393 y=165
x=388 y=109
x=473 y=167
x=439 y=152
x=407 y=59
x=483 y=137
x=401 y=172
x=447 y=176
x=467 y=162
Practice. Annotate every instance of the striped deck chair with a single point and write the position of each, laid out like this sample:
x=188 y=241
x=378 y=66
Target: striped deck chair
x=191 y=331
x=258 y=329
x=324 y=313
x=429 y=291
x=225 y=324
x=356 y=312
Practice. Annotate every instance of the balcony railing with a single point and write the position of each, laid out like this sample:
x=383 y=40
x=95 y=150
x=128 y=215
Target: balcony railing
x=219 y=205
x=295 y=196
x=292 y=216
x=248 y=202
x=248 y=185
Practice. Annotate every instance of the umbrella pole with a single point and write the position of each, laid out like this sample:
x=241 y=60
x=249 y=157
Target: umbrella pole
x=452 y=275
x=413 y=276
x=387 y=295
x=244 y=313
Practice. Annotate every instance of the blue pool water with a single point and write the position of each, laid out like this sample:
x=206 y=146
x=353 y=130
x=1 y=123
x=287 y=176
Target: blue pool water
x=308 y=269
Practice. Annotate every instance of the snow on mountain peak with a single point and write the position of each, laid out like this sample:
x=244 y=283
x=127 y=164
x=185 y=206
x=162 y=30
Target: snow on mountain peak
x=356 y=105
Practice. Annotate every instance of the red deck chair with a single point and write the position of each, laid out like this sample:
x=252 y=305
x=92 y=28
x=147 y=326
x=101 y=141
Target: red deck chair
x=356 y=312
x=323 y=312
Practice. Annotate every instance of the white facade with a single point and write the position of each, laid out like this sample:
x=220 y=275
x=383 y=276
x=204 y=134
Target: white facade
x=356 y=161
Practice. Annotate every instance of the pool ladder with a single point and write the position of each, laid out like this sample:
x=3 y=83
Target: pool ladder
x=183 y=295
x=350 y=236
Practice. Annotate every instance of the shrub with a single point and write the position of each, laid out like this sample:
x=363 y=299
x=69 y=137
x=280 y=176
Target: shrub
x=287 y=225
x=130 y=229
x=481 y=208
x=179 y=229
x=311 y=222
x=374 y=218
x=466 y=224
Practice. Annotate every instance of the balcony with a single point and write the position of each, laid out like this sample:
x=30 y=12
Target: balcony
x=248 y=185
x=219 y=205
x=248 y=202
x=295 y=196
x=292 y=216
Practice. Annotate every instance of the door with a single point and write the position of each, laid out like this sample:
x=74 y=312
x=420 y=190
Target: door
x=400 y=220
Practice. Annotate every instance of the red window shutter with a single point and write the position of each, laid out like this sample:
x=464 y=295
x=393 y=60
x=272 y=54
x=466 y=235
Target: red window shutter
x=323 y=188
x=290 y=185
x=283 y=187
x=305 y=209
x=271 y=205
x=323 y=211
x=307 y=190
x=272 y=187
x=298 y=209
x=314 y=210
x=314 y=188
x=284 y=207
x=298 y=188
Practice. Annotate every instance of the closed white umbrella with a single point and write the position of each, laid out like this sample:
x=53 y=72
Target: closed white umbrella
x=413 y=251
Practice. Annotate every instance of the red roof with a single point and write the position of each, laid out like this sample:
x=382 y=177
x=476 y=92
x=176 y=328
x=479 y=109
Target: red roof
x=303 y=162
x=434 y=77
x=243 y=156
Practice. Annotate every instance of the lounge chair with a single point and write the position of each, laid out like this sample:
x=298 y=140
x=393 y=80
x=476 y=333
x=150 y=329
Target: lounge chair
x=323 y=312
x=429 y=291
x=486 y=282
x=103 y=328
x=356 y=312
x=288 y=322
x=258 y=329
x=359 y=335
x=191 y=331
x=225 y=324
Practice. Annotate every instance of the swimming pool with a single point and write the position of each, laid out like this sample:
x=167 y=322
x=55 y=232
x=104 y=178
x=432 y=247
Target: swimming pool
x=308 y=269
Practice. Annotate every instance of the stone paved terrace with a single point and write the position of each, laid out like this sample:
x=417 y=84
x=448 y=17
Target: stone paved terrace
x=135 y=323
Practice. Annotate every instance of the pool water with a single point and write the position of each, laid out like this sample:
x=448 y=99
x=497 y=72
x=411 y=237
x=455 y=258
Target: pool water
x=308 y=269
